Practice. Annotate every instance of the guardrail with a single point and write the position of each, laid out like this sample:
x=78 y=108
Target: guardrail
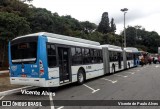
x=4 y=71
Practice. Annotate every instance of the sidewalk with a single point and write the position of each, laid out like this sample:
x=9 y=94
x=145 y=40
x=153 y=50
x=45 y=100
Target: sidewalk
x=5 y=82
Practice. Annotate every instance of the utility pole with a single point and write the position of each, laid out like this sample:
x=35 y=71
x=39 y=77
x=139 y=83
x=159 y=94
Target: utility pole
x=125 y=11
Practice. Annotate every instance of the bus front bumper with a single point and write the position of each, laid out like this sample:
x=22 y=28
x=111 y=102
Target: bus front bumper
x=41 y=82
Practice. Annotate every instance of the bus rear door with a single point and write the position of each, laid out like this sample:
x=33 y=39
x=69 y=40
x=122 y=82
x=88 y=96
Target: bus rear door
x=64 y=65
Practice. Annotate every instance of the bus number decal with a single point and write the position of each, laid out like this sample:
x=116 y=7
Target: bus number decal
x=14 y=68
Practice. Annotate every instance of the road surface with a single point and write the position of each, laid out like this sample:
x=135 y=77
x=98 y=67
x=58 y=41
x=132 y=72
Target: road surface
x=141 y=83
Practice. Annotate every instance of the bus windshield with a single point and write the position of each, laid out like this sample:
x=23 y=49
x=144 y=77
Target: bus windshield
x=25 y=52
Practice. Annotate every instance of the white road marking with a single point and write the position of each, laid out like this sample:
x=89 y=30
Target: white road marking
x=110 y=80
x=60 y=107
x=121 y=75
x=16 y=90
x=93 y=90
x=130 y=72
x=1 y=97
x=51 y=101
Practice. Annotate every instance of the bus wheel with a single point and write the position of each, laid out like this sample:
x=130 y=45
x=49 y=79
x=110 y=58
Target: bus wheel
x=80 y=77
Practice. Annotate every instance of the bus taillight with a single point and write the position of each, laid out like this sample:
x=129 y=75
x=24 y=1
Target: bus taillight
x=41 y=67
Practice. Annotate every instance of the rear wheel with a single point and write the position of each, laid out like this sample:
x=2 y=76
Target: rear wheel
x=80 y=77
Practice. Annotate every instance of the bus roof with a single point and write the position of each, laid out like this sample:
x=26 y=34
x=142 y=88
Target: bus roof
x=112 y=47
x=131 y=49
x=63 y=37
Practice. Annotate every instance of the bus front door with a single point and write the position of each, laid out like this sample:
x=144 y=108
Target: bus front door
x=64 y=67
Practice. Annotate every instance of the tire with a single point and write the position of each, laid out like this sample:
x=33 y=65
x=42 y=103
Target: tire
x=80 y=77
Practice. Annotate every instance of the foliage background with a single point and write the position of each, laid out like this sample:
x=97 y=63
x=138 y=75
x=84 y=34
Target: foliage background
x=18 y=18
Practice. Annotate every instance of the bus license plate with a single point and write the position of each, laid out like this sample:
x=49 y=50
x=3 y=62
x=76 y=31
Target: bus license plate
x=23 y=75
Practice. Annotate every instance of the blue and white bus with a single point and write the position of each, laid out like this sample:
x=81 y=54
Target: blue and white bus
x=50 y=60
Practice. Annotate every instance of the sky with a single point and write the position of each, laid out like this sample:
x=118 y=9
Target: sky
x=140 y=12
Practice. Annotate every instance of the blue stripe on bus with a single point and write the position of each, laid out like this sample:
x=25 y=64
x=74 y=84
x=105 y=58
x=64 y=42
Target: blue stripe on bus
x=94 y=70
x=54 y=77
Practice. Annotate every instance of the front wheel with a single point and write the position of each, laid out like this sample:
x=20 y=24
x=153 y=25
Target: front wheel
x=80 y=77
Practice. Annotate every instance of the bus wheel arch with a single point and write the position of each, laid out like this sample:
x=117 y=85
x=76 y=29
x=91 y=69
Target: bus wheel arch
x=81 y=76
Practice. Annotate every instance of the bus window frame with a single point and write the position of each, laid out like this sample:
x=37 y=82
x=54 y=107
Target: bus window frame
x=48 y=43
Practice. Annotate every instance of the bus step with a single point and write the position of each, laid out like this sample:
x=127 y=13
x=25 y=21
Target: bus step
x=66 y=80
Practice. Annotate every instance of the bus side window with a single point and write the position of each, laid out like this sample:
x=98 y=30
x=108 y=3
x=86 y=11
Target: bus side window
x=110 y=56
x=51 y=52
x=73 y=52
x=86 y=59
x=95 y=56
x=99 y=56
x=78 y=55
x=92 y=56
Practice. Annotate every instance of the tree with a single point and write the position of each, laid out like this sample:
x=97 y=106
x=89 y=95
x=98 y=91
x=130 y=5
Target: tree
x=11 y=25
x=103 y=26
x=142 y=39
x=88 y=27
x=26 y=0
x=10 y=22
x=14 y=6
x=41 y=20
x=113 y=26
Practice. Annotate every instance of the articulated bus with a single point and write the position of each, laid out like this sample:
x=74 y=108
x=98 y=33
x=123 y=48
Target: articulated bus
x=51 y=60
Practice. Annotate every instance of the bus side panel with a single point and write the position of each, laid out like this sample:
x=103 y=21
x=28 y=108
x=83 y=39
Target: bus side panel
x=130 y=63
x=116 y=66
x=42 y=55
x=52 y=74
x=95 y=71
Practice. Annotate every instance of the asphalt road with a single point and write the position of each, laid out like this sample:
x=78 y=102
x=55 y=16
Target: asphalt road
x=140 y=83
